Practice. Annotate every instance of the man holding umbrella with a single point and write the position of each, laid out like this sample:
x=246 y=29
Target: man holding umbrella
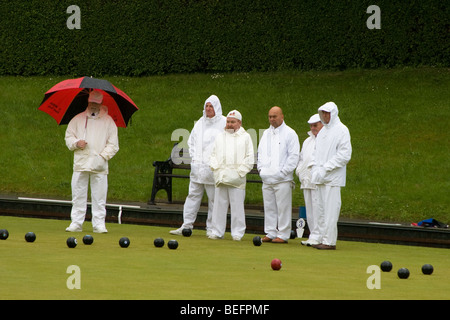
x=92 y=135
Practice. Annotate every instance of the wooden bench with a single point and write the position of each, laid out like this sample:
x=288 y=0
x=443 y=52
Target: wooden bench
x=179 y=159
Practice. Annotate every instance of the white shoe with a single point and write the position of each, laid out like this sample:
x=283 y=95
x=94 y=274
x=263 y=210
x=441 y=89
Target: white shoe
x=177 y=232
x=100 y=230
x=214 y=237
x=73 y=228
x=236 y=238
x=310 y=242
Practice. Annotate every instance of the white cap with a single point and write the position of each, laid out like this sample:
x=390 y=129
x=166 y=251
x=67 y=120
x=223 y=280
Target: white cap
x=95 y=96
x=234 y=114
x=315 y=118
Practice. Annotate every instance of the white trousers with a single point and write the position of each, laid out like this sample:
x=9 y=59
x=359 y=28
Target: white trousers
x=315 y=223
x=193 y=202
x=234 y=198
x=328 y=209
x=99 y=190
x=277 y=210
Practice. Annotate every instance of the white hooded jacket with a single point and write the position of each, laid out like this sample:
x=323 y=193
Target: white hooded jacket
x=278 y=153
x=201 y=142
x=100 y=133
x=232 y=158
x=333 y=150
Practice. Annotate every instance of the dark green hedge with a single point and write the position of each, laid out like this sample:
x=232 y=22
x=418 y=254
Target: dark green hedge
x=171 y=36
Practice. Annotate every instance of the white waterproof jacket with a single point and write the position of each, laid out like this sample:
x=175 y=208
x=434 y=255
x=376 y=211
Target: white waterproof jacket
x=201 y=142
x=303 y=171
x=100 y=133
x=333 y=150
x=232 y=158
x=278 y=154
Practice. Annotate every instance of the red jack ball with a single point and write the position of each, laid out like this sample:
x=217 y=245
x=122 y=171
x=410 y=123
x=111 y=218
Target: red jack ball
x=276 y=264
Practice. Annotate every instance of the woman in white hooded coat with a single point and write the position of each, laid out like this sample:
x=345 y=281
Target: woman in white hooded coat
x=200 y=143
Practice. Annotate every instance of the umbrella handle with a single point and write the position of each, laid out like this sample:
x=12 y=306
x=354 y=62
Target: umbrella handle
x=85 y=129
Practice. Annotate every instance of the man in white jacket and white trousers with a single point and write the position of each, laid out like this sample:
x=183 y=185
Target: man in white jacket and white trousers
x=329 y=166
x=92 y=135
x=278 y=154
x=303 y=172
x=231 y=159
x=201 y=142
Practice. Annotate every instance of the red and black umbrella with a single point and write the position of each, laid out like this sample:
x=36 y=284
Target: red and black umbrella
x=70 y=97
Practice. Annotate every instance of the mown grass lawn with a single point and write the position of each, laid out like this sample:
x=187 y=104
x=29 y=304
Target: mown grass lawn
x=204 y=269
x=397 y=118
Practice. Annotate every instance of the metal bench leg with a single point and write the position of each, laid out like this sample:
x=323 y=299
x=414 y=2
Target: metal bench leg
x=159 y=183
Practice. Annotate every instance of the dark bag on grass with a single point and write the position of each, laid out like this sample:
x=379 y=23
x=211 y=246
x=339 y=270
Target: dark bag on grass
x=431 y=223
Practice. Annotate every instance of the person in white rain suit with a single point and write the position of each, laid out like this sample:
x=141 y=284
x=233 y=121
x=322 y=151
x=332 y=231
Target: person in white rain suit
x=200 y=143
x=304 y=175
x=92 y=135
x=329 y=168
x=231 y=159
x=278 y=153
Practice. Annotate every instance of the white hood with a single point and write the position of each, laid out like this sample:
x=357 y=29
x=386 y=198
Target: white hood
x=214 y=100
x=333 y=109
x=201 y=141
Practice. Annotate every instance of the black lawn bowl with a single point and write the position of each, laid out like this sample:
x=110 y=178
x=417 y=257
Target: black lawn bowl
x=4 y=234
x=30 y=237
x=386 y=266
x=257 y=241
x=293 y=234
x=187 y=232
x=71 y=242
x=427 y=269
x=158 y=242
x=124 y=242
x=403 y=273
x=172 y=244
x=88 y=239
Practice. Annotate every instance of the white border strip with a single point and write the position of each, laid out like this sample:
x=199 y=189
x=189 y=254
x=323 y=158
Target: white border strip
x=120 y=206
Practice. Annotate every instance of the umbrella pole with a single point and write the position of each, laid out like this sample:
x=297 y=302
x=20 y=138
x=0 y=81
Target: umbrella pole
x=85 y=129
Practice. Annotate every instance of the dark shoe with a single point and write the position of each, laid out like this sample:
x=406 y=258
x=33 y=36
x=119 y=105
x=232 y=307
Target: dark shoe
x=279 y=240
x=324 y=247
x=266 y=239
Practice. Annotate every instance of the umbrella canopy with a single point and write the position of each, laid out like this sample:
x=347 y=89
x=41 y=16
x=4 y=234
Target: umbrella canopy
x=70 y=97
